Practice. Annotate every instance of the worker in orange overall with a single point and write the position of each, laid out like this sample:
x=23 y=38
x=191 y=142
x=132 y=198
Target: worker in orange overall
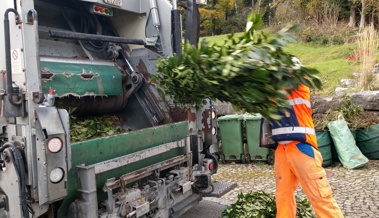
x=297 y=160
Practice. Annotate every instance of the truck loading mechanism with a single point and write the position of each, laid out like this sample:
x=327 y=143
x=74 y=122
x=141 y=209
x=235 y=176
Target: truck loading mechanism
x=97 y=56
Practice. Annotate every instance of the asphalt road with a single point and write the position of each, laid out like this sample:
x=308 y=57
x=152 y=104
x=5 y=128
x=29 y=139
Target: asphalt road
x=205 y=209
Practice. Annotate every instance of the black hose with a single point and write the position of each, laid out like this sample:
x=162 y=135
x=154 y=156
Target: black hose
x=15 y=4
x=8 y=64
x=176 y=32
x=84 y=28
x=3 y=204
x=208 y=192
x=20 y=170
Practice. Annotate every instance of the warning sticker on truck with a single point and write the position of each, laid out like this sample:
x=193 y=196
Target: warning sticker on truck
x=16 y=60
x=114 y=2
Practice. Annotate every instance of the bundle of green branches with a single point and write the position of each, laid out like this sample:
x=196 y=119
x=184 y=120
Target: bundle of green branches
x=249 y=71
x=262 y=204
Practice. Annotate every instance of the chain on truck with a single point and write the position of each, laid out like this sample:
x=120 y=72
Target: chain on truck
x=97 y=56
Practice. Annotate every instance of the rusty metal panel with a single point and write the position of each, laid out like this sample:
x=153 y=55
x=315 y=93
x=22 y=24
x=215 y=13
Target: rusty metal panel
x=81 y=79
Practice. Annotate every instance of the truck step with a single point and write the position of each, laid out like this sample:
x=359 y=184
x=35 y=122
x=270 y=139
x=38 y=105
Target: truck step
x=220 y=188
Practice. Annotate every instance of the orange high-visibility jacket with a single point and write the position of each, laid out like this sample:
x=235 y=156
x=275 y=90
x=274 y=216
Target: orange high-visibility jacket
x=298 y=126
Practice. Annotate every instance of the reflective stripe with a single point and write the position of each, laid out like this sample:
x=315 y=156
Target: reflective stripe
x=284 y=142
x=289 y=130
x=300 y=101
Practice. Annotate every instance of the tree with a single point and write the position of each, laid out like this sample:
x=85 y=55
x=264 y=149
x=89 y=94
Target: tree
x=353 y=9
x=213 y=16
x=363 y=15
x=366 y=7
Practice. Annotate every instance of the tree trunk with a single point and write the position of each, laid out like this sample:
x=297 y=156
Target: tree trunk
x=363 y=16
x=372 y=21
x=259 y=5
x=353 y=17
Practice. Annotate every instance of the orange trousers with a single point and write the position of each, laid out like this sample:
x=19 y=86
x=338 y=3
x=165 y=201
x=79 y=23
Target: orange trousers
x=301 y=163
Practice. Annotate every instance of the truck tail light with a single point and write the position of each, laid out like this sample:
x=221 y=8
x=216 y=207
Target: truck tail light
x=213 y=115
x=55 y=145
x=56 y=175
x=211 y=166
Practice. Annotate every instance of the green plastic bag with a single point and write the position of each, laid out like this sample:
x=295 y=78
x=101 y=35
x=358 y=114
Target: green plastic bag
x=348 y=152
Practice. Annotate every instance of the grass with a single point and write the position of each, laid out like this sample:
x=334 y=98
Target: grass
x=218 y=39
x=330 y=60
x=368 y=46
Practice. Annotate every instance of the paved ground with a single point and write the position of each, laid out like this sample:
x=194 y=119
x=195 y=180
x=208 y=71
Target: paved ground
x=206 y=209
x=356 y=191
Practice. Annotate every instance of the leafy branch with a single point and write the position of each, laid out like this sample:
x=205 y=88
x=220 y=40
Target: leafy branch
x=261 y=204
x=251 y=72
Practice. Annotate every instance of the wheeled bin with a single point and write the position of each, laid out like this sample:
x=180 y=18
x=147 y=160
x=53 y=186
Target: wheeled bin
x=324 y=142
x=231 y=132
x=254 y=152
x=368 y=141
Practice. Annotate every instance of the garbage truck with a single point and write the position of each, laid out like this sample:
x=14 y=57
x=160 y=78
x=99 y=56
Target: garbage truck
x=98 y=57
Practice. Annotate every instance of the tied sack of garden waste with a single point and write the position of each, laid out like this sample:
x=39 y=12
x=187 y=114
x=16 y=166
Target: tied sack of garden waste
x=348 y=152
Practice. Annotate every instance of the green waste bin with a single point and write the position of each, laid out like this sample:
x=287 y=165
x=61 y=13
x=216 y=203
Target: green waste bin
x=324 y=142
x=231 y=137
x=368 y=141
x=253 y=129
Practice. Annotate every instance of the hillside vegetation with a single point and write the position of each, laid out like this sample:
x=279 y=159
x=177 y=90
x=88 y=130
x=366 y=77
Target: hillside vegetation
x=338 y=38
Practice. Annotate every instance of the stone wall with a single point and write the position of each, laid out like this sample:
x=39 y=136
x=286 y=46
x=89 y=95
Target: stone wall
x=369 y=100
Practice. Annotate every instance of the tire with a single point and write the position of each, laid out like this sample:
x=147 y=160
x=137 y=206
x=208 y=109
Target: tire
x=248 y=158
x=270 y=159
x=243 y=159
x=215 y=162
x=222 y=157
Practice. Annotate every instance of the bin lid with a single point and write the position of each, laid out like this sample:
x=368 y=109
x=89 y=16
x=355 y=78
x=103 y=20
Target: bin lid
x=253 y=117
x=230 y=117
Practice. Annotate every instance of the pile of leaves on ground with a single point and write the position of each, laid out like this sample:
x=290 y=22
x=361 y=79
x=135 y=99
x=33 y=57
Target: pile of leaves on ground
x=262 y=205
x=84 y=128
x=249 y=71
x=355 y=116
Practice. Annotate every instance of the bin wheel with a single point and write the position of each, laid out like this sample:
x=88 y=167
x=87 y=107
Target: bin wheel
x=243 y=159
x=248 y=158
x=222 y=157
x=270 y=158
